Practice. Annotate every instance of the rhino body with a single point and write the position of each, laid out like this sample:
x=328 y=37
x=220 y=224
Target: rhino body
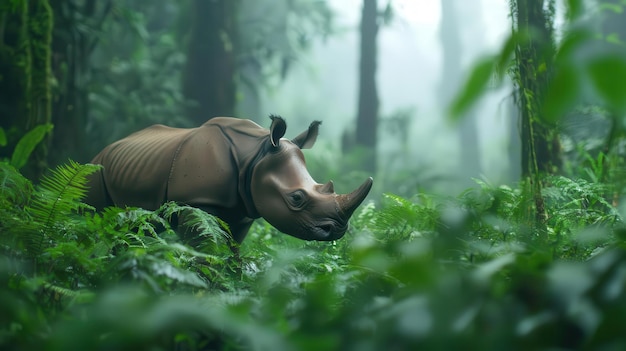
x=229 y=167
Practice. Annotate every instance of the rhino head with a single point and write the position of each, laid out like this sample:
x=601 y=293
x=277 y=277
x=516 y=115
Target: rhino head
x=285 y=194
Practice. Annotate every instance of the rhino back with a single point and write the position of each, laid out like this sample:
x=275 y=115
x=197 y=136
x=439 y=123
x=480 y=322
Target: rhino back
x=204 y=170
x=203 y=167
x=136 y=168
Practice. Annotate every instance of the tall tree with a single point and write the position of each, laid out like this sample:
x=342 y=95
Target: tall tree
x=25 y=38
x=534 y=55
x=534 y=65
x=75 y=36
x=367 y=115
x=209 y=76
x=451 y=79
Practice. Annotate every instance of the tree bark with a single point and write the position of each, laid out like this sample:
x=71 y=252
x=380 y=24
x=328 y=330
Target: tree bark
x=534 y=61
x=71 y=50
x=367 y=115
x=25 y=86
x=209 y=77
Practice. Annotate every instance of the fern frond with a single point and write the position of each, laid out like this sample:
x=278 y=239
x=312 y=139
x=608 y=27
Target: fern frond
x=402 y=217
x=15 y=189
x=59 y=194
x=166 y=269
x=208 y=225
x=200 y=222
x=15 y=193
x=57 y=293
x=54 y=201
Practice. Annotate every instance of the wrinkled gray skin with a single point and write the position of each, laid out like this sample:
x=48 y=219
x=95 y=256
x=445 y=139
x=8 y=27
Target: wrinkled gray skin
x=229 y=167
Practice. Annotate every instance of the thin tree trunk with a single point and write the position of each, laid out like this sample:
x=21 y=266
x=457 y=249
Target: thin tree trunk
x=451 y=78
x=534 y=60
x=367 y=115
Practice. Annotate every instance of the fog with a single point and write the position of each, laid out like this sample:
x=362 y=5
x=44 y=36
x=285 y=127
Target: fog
x=324 y=85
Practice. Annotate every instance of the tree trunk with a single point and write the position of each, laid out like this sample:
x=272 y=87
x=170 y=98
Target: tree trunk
x=451 y=79
x=71 y=49
x=534 y=61
x=367 y=115
x=209 y=77
x=25 y=85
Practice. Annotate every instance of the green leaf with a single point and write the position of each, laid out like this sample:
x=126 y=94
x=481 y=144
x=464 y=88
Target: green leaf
x=608 y=74
x=562 y=93
x=3 y=137
x=506 y=53
x=27 y=144
x=609 y=7
x=574 y=9
x=476 y=84
x=572 y=41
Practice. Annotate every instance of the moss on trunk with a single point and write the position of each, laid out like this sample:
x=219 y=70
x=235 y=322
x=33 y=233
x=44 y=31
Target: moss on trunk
x=26 y=77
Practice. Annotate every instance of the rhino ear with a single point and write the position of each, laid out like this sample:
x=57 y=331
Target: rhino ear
x=307 y=138
x=277 y=129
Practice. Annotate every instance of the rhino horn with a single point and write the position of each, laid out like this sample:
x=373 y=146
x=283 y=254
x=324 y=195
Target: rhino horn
x=349 y=202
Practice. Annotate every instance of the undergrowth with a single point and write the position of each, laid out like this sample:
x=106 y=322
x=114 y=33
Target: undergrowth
x=470 y=272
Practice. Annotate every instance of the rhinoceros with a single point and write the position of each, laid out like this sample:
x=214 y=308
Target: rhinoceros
x=231 y=168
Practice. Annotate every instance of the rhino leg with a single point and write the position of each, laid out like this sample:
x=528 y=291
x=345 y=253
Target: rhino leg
x=240 y=230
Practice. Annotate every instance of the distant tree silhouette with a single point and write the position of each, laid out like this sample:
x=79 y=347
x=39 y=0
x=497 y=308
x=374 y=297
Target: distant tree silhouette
x=451 y=79
x=368 y=104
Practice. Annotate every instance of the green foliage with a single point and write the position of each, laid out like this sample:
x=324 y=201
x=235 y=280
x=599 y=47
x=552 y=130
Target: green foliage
x=475 y=86
x=27 y=143
x=135 y=71
x=607 y=74
x=433 y=272
x=15 y=190
x=574 y=68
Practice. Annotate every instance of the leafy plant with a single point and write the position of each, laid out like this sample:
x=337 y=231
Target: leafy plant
x=26 y=144
x=424 y=272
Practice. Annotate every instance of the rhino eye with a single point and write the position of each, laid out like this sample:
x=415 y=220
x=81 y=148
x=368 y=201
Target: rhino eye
x=298 y=198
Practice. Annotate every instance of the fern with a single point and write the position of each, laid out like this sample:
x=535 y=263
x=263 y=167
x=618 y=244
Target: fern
x=142 y=245
x=401 y=218
x=15 y=193
x=15 y=189
x=59 y=194
x=54 y=202
x=580 y=202
x=199 y=229
x=58 y=293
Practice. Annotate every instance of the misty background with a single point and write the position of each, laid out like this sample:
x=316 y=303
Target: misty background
x=324 y=86
x=380 y=79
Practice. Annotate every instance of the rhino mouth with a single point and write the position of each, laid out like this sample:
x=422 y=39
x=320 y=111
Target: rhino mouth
x=329 y=231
